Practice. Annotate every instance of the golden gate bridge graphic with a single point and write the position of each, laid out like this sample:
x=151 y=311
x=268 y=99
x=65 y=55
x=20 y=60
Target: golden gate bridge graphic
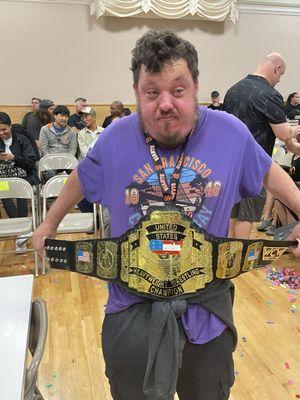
x=190 y=192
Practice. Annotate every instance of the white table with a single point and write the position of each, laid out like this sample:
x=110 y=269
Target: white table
x=15 y=312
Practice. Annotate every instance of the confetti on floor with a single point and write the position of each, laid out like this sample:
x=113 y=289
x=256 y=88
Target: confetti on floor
x=286 y=277
x=270 y=322
x=290 y=382
x=287 y=365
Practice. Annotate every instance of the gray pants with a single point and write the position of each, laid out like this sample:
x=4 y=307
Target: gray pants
x=206 y=373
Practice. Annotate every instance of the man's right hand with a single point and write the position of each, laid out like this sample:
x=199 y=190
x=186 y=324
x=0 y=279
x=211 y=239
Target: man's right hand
x=43 y=232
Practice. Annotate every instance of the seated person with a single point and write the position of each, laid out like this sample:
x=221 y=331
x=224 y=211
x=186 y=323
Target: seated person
x=18 y=128
x=215 y=101
x=292 y=106
x=88 y=136
x=117 y=111
x=18 y=155
x=57 y=137
x=74 y=120
x=39 y=118
x=282 y=214
x=35 y=101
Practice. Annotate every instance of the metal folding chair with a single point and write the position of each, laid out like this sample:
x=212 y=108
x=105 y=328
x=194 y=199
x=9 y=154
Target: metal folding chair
x=17 y=188
x=37 y=341
x=53 y=162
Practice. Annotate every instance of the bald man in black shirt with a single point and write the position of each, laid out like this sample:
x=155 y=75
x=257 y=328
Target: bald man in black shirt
x=256 y=102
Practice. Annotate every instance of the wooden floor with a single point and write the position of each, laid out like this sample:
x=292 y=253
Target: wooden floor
x=267 y=359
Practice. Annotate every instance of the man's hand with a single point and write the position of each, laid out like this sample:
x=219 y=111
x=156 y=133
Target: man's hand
x=7 y=156
x=293 y=145
x=295 y=235
x=43 y=232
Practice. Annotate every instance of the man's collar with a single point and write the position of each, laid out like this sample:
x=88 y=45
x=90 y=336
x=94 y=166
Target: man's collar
x=258 y=78
x=89 y=130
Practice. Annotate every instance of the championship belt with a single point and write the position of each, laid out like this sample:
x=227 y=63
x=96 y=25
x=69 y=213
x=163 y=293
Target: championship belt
x=164 y=256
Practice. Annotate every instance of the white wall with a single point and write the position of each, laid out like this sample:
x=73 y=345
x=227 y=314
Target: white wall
x=60 y=52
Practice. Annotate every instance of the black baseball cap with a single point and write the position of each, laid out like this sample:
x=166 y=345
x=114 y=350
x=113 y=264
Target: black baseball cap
x=214 y=93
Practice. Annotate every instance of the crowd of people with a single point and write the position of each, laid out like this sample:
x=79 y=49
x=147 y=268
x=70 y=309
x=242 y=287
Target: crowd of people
x=47 y=129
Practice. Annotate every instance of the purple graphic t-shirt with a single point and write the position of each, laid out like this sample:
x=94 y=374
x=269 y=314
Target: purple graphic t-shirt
x=222 y=165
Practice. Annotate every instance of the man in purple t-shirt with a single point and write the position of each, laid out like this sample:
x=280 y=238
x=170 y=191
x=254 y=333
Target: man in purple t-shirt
x=221 y=164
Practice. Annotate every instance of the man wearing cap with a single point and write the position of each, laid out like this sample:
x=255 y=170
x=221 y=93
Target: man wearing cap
x=39 y=118
x=57 y=137
x=88 y=136
x=87 y=139
x=215 y=101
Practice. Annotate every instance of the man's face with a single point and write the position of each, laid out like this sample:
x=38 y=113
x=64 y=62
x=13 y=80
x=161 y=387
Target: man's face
x=116 y=110
x=167 y=103
x=88 y=120
x=60 y=120
x=80 y=105
x=35 y=104
x=5 y=131
x=215 y=99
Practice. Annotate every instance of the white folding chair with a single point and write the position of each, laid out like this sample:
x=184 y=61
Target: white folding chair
x=72 y=222
x=52 y=162
x=17 y=188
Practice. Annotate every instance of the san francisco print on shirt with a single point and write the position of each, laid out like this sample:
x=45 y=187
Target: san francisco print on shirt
x=194 y=189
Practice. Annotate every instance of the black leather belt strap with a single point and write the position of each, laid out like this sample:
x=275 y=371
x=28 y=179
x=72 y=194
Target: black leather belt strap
x=165 y=256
